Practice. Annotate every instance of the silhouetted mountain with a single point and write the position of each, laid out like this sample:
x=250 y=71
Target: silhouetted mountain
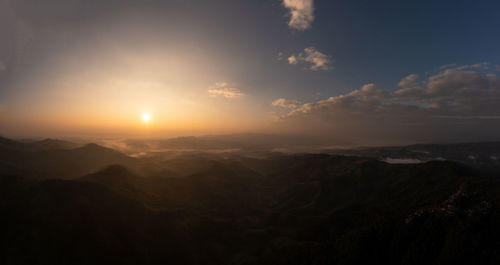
x=39 y=161
x=50 y=144
x=220 y=185
x=243 y=141
x=46 y=144
x=11 y=144
x=281 y=209
x=482 y=155
x=67 y=222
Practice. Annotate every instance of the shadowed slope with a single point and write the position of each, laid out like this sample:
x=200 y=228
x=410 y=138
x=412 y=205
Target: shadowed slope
x=311 y=209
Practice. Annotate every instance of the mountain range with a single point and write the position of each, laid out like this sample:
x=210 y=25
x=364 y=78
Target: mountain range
x=64 y=204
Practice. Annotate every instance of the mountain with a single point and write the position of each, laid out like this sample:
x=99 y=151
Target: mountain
x=53 y=159
x=283 y=209
x=46 y=144
x=219 y=185
x=243 y=141
x=51 y=144
x=482 y=155
x=6 y=143
x=68 y=222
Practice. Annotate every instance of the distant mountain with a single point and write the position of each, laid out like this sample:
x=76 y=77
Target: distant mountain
x=6 y=143
x=481 y=155
x=51 y=144
x=46 y=144
x=244 y=141
x=53 y=159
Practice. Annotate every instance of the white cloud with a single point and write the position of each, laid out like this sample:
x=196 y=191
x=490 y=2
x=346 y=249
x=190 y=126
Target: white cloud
x=450 y=91
x=286 y=103
x=368 y=87
x=301 y=13
x=225 y=90
x=452 y=104
x=448 y=66
x=315 y=59
x=408 y=81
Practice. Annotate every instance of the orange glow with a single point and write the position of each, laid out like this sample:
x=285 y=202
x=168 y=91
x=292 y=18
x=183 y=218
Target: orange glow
x=97 y=95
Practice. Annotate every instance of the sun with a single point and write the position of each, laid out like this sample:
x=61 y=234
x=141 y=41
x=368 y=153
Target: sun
x=146 y=117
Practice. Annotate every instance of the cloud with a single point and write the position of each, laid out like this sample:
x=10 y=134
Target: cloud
x=301 y=13
x=286 y=103
x=483 y=65
x=225 y=90
x=448 y=66
x=408 y=81
x=315 y=59
x=279 y=56
x=3 y=66
x=453 y=104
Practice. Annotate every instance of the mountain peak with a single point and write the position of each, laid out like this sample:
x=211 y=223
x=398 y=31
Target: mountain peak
x=95 y=147
x=116 y=170
x=112 y=175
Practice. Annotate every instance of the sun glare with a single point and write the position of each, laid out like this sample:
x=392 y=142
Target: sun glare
x=146 y=117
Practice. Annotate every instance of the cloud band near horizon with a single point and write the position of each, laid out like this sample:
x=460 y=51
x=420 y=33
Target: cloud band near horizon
x=454 y=103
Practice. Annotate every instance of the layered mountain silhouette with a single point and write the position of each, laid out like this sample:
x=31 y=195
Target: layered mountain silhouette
x=94 y=205
x=56 y=159
x=483 y=155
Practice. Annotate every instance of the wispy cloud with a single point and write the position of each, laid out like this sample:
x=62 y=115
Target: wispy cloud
x=408 y=80
x=286 y=103
x=292 y=60
x=225 y=90
x=450 y=65
x=315 y=59
x=279 y=56
x=301 y=13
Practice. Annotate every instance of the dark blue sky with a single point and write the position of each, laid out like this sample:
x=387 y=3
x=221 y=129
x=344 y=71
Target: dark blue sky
x=382 y=41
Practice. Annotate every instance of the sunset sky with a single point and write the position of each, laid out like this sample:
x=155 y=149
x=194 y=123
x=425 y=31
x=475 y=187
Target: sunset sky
x=347 y=71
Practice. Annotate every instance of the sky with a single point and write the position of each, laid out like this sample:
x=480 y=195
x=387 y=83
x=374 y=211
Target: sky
x=348 y=72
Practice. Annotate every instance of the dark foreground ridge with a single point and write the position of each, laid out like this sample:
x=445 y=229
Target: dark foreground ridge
x=286 y=209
